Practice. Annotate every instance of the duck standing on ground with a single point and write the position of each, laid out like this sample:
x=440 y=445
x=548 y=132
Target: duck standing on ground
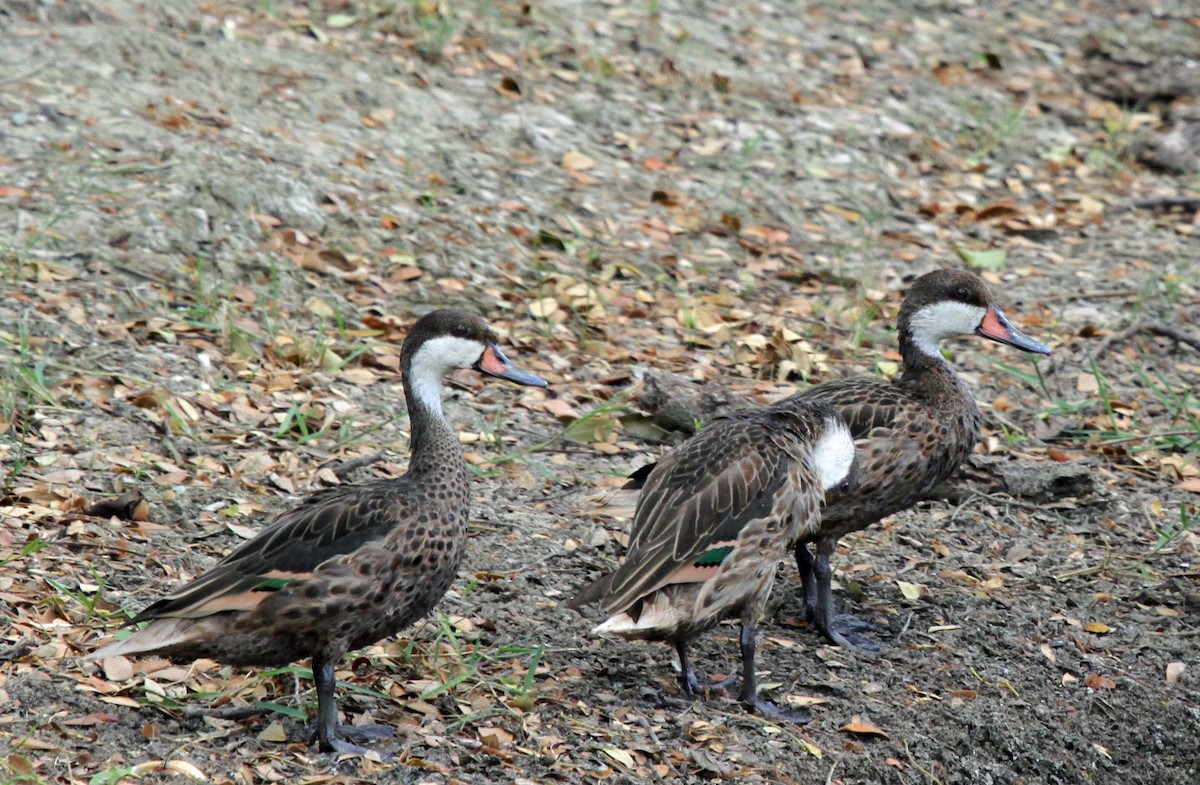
x=717 y=514
x=350 y=565
x=911 y=432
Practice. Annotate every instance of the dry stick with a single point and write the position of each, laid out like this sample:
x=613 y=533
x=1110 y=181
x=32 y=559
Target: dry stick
x=662 y=751
x=918 y=766
x=1108 y=294
x=1164 y=203
x=343 y=470
x=1163 y=435
x=1147 y=326
x=224 y=712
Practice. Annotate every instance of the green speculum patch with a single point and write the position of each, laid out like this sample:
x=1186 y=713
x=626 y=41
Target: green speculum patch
x=273 y=584
x=713 y=557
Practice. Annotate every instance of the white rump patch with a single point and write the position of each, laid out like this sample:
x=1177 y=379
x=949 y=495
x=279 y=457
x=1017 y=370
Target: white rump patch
x=833 y=453
x=658 y=615
x=431 y=362
x=946 y=319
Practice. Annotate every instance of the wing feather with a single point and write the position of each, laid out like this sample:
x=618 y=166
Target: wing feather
x=327 y=524
x=702 y=493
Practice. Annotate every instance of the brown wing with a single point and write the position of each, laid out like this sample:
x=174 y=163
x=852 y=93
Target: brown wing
x=701 y=494
x=325 y=525
x=865 y=404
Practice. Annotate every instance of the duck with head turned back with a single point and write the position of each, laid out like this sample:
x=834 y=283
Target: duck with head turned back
x=911 y=433
x=350 y=565
x=717 y=514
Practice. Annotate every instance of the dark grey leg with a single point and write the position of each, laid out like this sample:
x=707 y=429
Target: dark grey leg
x=843 y=629
x=330 y=736
x=808 y=580
x=688 y=682
x=749 y=696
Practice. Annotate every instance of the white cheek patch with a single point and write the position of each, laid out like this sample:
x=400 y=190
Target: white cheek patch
x=833 y=453
x=934 y=323
x=433 y=360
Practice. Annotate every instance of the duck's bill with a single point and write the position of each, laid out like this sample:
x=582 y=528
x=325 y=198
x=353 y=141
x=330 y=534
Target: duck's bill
x=996 y=326
x=494 y=363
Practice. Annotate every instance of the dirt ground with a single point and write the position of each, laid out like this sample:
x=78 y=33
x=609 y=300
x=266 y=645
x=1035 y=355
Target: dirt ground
x=218 y=220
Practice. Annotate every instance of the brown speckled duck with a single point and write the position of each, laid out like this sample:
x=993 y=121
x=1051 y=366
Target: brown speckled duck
x=911 y=432
x=350 y=565
x=717 y=514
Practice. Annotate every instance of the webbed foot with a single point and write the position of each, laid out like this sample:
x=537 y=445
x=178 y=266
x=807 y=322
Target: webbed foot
x=847 y=631
x=772 y=711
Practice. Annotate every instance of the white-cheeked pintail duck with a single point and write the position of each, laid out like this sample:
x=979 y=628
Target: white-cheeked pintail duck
x=911 y=432
x=717 y=514
x=350 y=565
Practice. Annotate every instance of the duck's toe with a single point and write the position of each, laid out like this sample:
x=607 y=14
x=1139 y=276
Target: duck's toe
x=848 y=632
x=352 y=739
x=361 y=734
x=766 y=708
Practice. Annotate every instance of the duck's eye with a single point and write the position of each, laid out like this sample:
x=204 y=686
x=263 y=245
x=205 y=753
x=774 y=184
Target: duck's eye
x=962 y=293
x=459 y=330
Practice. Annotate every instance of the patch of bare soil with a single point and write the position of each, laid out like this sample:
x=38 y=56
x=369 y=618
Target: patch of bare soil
x=218 y=220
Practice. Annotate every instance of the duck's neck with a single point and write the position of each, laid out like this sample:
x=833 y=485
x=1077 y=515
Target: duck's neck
x=919 y=355
x=433 y=445
x=924 y=366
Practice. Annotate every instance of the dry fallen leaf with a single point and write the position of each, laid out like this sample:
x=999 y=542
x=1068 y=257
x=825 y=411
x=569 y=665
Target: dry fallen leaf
x=117 y=668
x=576 y=161
x=624 y=757
x=860 y=726
x=911 y=591
x=1095 y=681
x=273 y=733
x=1174 y=671
x=543 y=308
x=562 y=411
x=495 y=737
x=805 y=700
x=1096 y=627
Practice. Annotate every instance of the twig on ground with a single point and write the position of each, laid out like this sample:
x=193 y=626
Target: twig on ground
x=345 y=468
x=918 y=766
x=1095 y=568
x=1163 y=203
x=1147 y=326
x=224 y=712
x=16 y=651
x=662 y=751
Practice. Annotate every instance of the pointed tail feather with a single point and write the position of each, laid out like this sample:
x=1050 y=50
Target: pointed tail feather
x=593 y=592
x=159 y=634
x=620 y=503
